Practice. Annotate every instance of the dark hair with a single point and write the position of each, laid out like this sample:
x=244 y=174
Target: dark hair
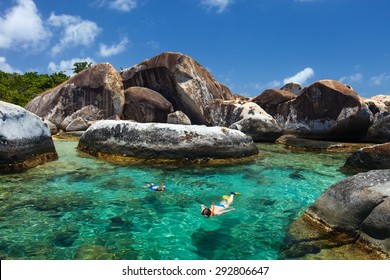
x=206 y=212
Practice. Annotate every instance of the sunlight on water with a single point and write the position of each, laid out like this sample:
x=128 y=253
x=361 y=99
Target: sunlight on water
x=82 y=208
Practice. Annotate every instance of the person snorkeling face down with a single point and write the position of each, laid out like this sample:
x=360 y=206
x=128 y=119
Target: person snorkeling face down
x=218 y=209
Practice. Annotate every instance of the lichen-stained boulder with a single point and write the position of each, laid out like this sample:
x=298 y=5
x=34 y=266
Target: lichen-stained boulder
x=353 y=212
x=145 y=105
x=326 y=110
x=181 y=80
x=270 y=99
x=25 y=140
x=165 y=141
x=247 y=117
x=100 y=86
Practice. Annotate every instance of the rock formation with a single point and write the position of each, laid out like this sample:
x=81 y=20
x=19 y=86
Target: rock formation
x=145 y=105
x=247 y=117
x=165 y=141
x=295 y=88
x=326 y=110
x=100 y=86
x=181 y=80
x=379 y=132
x=178 y=117
x=374 y=157
x=25 y=140
x=270 y=99
x=354 y=211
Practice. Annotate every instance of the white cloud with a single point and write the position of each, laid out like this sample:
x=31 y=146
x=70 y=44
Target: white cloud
x=123 y=5
x=119 y=5
x=301 y=77
x=379 y=80
x=220 y=5
x=107 y=51
x=5 y=67
x=67 y=65
x=76 y=32
x=354 y=78
x=22 y=26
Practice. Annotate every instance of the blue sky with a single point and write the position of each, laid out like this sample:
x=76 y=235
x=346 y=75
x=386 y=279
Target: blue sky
x=249 y=45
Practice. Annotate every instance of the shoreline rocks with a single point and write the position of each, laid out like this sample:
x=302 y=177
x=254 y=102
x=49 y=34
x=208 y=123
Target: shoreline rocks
x=369 y=158
x=165 y=141
x=292 y=142
x=354 y=211
x=25 y=140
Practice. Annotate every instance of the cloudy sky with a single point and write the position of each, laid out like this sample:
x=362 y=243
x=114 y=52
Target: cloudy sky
x=249 y=45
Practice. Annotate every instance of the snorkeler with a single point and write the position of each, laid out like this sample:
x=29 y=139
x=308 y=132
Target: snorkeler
x=220 y=208
x=153 y=187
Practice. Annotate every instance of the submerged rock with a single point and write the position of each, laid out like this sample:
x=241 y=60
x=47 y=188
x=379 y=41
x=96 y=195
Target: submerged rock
x=25 y=140
x=165 y=141
x=353 y=211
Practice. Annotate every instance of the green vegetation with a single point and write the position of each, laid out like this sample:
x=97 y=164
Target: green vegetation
x=19 y=89
x=80 y=66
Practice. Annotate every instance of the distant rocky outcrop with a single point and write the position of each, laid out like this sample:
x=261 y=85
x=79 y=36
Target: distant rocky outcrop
x=100 y=86
x=165 y=141
x=247 y=117
x=25 y=140
x=374 y=157
x=145 y=105
x=292 y=87
x=181 y=80
x=270 y=99
x=353 y=213
x=326 y=110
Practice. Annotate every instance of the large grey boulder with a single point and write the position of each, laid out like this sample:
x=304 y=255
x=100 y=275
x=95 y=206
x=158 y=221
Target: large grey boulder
x=354 y=211
x=100 y=86
x=165 y=141
x=247 y=117
x=25 y=140
x=181 y=80
x=326 y=110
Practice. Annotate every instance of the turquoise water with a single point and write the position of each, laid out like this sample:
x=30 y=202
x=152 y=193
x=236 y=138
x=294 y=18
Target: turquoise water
x=82 y=208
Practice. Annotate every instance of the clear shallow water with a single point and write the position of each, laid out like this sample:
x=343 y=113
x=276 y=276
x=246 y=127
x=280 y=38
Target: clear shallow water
x=82 y=208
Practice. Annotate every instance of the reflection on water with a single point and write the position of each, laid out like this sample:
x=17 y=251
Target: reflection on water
x=82 y=208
